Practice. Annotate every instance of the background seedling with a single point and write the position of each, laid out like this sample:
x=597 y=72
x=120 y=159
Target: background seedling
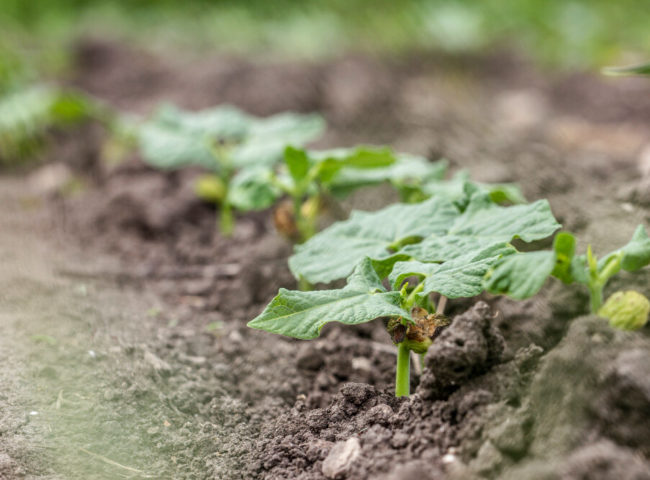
x=310 y=182
x=27 y=113
x=238 y=149
x=523 y=275
x=445 y=250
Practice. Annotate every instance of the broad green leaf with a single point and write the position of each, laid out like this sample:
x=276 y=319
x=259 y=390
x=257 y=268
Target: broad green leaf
x=642 y=69
x=460 y=188
x=634 y=255
x=252 y=189
x=521 y=275
x=174 y=138
x=222 y=123
x=484 y=225
x=267 y=138
x=302 y=314
x=334 y=252
x=168 y=148
x=406 y=172
x=460 y=277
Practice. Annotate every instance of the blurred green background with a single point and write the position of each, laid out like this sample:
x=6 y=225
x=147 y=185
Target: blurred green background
x=573 y=34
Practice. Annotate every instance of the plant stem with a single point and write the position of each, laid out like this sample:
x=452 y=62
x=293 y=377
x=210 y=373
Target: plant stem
x=226 y=221
x=403 y=374
x=410 y=300
x=595 y=297
x=304 y=285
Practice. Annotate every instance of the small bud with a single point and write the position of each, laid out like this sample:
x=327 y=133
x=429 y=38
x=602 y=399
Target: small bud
x=626 y=310
x=210 y=188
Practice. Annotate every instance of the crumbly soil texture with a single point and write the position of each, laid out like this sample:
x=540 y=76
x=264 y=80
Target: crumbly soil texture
x=123 y=312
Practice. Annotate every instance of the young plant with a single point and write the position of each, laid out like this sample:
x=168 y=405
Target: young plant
x=27 y=113
x=418 y=249
x=238 y=149
x=309 y=181
x=523 y=275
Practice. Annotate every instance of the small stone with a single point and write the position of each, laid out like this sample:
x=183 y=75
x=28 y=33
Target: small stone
x=50 y=179
x=399 y=440
x=380 y=414
x=341 y=457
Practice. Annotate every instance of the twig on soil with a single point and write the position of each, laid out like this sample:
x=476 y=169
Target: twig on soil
x=415 y=363
x=114 y=463
x=442 y=303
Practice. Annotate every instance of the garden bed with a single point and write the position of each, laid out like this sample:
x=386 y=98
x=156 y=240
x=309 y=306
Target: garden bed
x=178 y=387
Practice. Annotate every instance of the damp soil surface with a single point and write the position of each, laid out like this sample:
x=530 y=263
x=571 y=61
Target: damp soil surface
x=122 y=310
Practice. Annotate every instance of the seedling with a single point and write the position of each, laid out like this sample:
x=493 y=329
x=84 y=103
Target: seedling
x=523 y=275
x=446 y=251
x=310 y=182
x=238 y=149
x=26 y=114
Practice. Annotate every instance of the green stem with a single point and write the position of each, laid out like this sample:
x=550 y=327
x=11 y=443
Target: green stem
x=595 y=297
x=410 y=300
x=226 y=220
x=304 y=285
x=403 y=374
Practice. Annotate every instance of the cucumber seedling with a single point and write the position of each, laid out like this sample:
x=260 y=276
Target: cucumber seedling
x=523 y=275
x=418 y=249
x=239 y=150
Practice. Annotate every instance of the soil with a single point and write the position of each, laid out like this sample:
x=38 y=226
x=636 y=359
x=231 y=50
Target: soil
x=123 y=334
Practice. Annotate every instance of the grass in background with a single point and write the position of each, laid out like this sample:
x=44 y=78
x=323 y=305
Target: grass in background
x=571 y=34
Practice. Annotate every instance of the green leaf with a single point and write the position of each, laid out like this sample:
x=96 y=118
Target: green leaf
x=332 y=162
x=564 y=247
x=168 y=148
x=222 y=123
x=521 y=275
x=636 y=254
x=504 y=193
x=460 y=277
x=267 y=138
x=484 y=225
x=174 y=138
x=297 y=162
x=642 y=69
x=334 y=252
x=405 y=173
x=302 y=314
x=252 y=189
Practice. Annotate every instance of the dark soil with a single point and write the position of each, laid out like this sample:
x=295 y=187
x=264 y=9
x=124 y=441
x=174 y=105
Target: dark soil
x=132 y=269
